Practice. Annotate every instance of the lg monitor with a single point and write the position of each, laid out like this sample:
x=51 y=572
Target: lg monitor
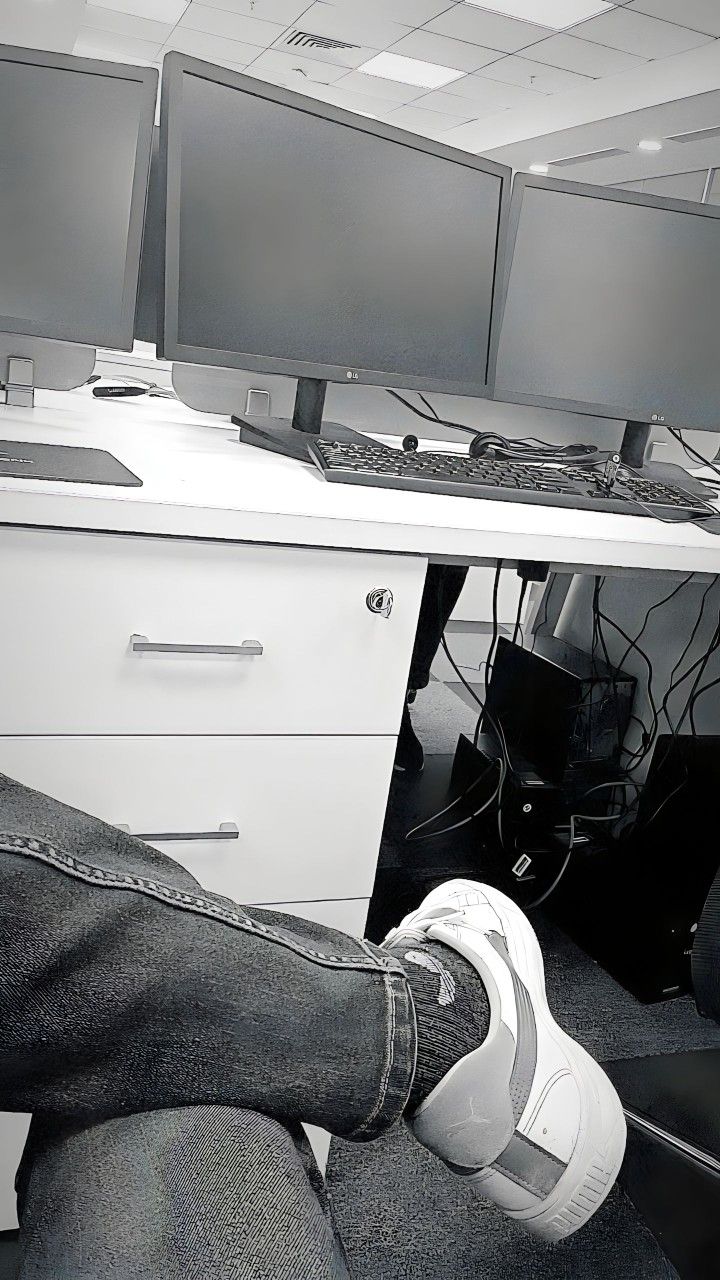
x=74 y=161
x=305 y=240
x=612 y=306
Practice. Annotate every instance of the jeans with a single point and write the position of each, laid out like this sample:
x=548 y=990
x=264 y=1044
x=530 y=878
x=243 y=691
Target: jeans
x=169 y=1044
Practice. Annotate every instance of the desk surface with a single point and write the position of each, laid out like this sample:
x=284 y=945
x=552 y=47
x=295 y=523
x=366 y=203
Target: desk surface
x=198 y=482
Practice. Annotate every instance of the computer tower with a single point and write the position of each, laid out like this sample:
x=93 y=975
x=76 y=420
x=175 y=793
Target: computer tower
x=634 y=903
x=561 y=710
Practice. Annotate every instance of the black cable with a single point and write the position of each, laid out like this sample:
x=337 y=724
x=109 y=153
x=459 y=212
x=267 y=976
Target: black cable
x=493 y=642
x=655 y=715
x=518 y=620
x=658 y=604
x=457 y=426
x=697 y=694
x=523 y=450
x=693 y=452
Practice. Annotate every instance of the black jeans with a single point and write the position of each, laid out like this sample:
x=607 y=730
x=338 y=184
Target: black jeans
x=169 y=1043
x=443 y=585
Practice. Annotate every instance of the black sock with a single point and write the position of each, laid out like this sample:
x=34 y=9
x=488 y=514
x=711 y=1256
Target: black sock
x=451 y=1007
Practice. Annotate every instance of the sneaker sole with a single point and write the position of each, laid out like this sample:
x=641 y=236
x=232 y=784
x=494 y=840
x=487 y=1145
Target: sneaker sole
x=600 y=1146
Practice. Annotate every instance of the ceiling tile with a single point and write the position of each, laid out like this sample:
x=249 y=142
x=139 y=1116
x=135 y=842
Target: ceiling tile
x=486 y=96
x=700 y=15
x=372 y=29
x=125 y=24
x=469 y=137
x=425 y=122
x=485 y=93
x=413 y=13
x=447 y=104
x=378 y=87
x=282 y=11
x=231 y=26
x=534 y=76
x=636 y=33
x=587 y=59
x=211 y=48
x=157 y=10
x=295 y=72
x=338 y=96
x=447 y=53
x=109 y=44
x=493 y=30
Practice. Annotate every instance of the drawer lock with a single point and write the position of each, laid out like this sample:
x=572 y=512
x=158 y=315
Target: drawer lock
x=380 y=600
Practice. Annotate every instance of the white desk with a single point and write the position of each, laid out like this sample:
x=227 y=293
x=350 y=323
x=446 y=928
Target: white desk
x=222 y=544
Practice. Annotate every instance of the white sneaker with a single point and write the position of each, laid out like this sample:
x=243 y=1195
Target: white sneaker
x=528 y=1118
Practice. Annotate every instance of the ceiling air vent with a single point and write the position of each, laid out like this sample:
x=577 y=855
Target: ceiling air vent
x=697 y=135
x=306 y=40
x=566 y=161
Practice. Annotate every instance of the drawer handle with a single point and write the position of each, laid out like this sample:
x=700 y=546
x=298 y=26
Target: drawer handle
x=248 y=648
x=226 y=831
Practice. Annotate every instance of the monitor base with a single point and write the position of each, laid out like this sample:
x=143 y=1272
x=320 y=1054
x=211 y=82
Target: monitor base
x=279 y=436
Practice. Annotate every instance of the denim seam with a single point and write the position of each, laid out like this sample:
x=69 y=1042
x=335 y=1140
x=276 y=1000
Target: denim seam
x=369 y=1120
x=41 y=851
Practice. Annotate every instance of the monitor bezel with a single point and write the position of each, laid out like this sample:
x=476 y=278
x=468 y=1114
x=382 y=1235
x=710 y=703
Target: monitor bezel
x=175 y=67
x=120 y=334
x=651 y=416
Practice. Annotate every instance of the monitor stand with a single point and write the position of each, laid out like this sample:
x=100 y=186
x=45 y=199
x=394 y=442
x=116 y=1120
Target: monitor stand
x=292 y=436
x=634 y=451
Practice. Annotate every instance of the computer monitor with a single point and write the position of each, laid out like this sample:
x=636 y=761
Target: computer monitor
x=306 y=240
x=74 y=159
x=612 y=305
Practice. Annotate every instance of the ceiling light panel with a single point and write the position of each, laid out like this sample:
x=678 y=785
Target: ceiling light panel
x=554 y=13
x=393 y=66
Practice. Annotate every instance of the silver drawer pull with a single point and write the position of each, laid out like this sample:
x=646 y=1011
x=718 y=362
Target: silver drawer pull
x=226 y=831
x=248 y=648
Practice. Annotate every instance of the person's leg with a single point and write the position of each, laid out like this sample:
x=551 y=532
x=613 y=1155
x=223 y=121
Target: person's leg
x=199 y=1193
x=125 y=987
x=443 y=584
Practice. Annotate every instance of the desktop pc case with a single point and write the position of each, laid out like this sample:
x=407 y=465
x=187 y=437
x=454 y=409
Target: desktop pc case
x=634 y=902
x=561 y=710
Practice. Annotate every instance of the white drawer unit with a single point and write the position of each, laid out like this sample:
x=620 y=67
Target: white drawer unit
x=302 y=817
x=116 y=634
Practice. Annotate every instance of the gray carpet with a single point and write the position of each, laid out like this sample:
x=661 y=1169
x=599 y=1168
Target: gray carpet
x=404 y=1217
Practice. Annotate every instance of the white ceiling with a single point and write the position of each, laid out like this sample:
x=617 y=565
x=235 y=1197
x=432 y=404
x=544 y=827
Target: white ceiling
x=527 y=93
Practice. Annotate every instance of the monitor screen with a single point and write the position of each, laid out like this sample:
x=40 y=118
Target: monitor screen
x=305 y=240
x=612 y=304
x=74 y=158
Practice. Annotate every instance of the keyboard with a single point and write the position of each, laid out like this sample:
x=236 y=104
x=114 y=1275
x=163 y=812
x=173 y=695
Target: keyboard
x=460 y=476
